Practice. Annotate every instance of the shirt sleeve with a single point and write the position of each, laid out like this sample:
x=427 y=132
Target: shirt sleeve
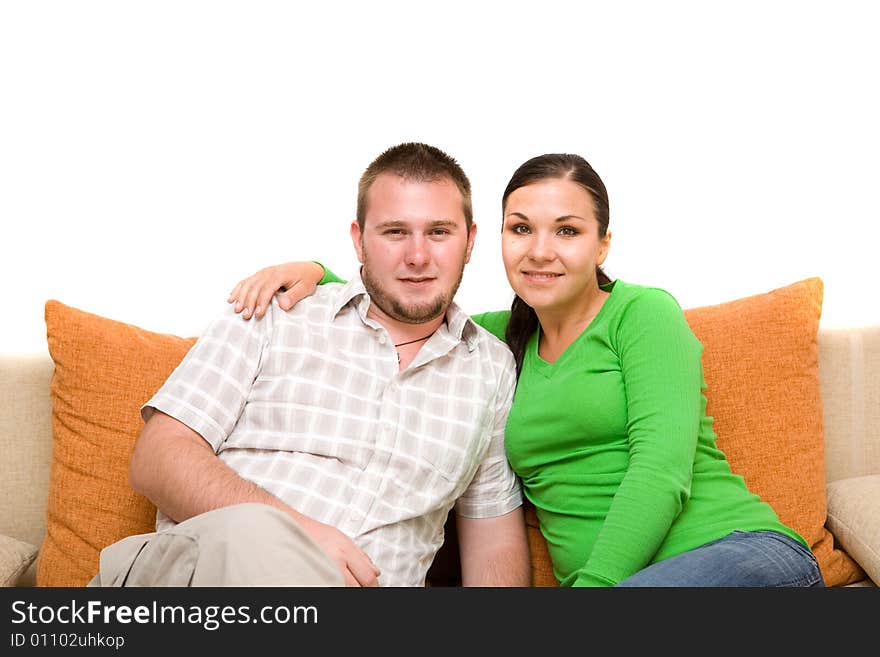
x=329 y=276
x=660 y=360
x=207 y=391
x=495 y=322
x=495 y=488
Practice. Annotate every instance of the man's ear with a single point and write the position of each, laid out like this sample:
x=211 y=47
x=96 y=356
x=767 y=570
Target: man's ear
x=357 y=239
x=604 y=246
x=472 y=235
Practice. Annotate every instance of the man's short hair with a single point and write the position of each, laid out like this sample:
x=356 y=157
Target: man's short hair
x=415 y=162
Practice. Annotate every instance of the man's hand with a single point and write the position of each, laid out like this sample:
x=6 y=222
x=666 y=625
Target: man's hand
x=177 y=470
x=357 y=568
x=292 y=281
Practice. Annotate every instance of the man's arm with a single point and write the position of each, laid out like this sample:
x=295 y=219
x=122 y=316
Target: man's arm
x=494 y=551
x=177 y=470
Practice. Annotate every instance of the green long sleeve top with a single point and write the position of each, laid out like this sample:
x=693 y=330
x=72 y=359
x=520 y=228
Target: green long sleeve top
x=614 y=447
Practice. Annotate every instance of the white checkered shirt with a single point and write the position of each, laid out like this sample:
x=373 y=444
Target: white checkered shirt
x=310 y=405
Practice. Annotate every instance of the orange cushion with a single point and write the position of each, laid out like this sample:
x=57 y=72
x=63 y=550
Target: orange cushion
x=761 y=363
x=542 y=564
x=104 y=371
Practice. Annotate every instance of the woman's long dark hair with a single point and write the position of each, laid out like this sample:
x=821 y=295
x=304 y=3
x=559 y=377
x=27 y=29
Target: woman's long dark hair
x=523 y=320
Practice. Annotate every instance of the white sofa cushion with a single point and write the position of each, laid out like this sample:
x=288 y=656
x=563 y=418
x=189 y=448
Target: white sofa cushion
x=15 y=557
x=854 y=519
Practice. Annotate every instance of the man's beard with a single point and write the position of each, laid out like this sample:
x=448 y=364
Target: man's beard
x=413 y=313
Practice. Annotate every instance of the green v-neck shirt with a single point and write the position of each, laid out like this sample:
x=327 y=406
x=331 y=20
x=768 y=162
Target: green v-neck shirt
x=614 y=447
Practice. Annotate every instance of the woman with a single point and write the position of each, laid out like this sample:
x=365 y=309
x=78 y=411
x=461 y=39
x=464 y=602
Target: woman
x=608 y=429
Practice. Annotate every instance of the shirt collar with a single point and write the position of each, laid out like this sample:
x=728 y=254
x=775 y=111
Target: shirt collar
x=458 y=325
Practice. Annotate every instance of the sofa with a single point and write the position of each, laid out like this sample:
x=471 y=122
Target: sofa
x=796 y=410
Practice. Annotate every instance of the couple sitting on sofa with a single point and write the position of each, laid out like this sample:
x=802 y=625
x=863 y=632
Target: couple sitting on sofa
x=325 y=444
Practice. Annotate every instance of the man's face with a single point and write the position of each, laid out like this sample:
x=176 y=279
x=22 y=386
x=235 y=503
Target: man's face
x=414 y=246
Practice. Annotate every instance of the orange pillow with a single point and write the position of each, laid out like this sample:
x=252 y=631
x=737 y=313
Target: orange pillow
x=761 y=364
x=541 y=563
x=104 y=371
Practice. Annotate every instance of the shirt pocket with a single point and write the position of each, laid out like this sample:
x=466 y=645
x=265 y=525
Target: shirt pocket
x=451 y=460
x=449 y=446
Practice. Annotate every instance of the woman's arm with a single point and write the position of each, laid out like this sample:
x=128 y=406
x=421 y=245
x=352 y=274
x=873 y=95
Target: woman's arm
x=494 y=321
x=663 y=381
x=291 y=281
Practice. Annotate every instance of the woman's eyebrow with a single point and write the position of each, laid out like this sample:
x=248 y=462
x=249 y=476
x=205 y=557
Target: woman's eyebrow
x=565 y=217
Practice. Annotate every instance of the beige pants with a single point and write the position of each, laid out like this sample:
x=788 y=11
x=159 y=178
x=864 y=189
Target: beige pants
x=240 y=545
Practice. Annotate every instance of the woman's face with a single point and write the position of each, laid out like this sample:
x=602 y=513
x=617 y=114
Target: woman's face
x=550 y=244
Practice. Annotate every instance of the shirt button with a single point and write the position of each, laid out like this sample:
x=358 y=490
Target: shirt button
x=382 y=339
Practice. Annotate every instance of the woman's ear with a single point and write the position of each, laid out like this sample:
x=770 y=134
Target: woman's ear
x=604 y=246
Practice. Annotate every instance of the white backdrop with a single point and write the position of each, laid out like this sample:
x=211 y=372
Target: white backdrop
x=154 y=153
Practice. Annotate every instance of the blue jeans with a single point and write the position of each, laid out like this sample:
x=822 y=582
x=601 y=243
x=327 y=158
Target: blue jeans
x=763 y=558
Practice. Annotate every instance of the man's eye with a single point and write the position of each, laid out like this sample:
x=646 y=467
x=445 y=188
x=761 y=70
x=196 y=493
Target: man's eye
x=440 y=231
x=394 y=231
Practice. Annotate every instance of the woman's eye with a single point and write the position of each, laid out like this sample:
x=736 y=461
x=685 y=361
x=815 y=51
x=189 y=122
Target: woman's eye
x=567 y=231
x=520 y=229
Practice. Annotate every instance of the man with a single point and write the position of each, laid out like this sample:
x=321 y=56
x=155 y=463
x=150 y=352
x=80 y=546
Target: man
x=325 y=445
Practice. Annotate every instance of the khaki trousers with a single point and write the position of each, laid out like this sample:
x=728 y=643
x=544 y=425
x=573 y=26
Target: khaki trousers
x=239 y=545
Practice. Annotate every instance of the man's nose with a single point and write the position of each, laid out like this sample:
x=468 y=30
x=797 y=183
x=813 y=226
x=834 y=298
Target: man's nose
x=417 y=251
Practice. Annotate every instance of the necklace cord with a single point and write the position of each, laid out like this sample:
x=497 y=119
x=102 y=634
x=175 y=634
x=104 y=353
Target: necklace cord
x=400 y=344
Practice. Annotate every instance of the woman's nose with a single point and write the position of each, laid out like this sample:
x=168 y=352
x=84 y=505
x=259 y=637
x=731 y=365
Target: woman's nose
x=540 y=248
